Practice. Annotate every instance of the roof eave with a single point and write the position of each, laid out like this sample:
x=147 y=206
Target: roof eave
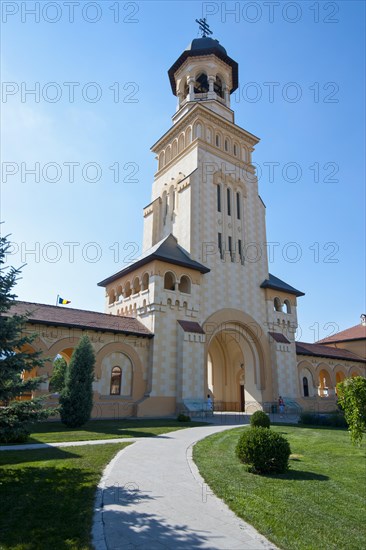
x=201 y=268
x=210 y=51
x=86 y=327
x=267 y=284
x=312 y=354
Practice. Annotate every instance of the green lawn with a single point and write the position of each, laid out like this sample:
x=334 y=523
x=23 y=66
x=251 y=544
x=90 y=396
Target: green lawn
x=56 y=432
x=318 y=504
x=47 y=496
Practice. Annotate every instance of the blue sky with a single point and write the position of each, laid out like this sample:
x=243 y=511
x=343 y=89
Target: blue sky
x=301 y=90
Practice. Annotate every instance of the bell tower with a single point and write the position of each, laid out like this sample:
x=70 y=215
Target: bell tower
x=201 y=285
x=204 y=73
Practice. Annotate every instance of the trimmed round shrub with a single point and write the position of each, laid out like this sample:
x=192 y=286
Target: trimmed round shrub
x=260 y=419
x=264 y=451
x=183 y=418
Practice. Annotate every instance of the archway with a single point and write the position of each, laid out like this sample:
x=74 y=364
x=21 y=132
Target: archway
x=234 y=370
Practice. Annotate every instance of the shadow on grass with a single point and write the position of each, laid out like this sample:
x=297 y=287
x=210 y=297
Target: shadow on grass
x=40 y=505
x=37 y=455
x=111 y=428
x=299 y=475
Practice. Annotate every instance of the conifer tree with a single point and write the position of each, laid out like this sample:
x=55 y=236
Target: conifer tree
x=76 y=400
x=16 y=361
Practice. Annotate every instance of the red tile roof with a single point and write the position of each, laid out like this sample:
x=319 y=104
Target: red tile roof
x=191 y=326
x=79 y=318
x=280 y=338
x=357 y=332
x=319 y=350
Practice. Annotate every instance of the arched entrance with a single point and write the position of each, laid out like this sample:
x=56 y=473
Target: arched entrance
x=235 y=369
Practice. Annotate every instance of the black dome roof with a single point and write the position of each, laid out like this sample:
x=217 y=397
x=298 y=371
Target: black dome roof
x=205 y=43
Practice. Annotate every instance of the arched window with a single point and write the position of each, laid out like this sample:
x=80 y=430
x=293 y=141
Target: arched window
x=228 y=193
x=245 y=154
x=181 y=143
x=201 y=84
x=169 y=281
x=112 y=297
x=165 y=206
x=175 y=148
x=324 y=383
x=116 y=379
x=188 y=135
x=185 y=285
x=226 y=145
x=235 y=150
x=217 y=140
x=128 y=290
x=198 y=130
x=305 y=386
x=238 y=209
x=287 y=306
x=136 y=285
x=218 y=87
x=168 y=154
x=219 y=198
x=277 y=304
x=172 y=198
x=145 y=281
x=161 y=160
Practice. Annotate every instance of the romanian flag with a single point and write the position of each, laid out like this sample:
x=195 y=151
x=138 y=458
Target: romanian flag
x=62 y=301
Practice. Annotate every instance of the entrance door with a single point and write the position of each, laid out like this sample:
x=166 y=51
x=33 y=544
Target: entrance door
x=242 y=398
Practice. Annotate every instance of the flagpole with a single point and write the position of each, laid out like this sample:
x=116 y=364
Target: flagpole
x=57 y=299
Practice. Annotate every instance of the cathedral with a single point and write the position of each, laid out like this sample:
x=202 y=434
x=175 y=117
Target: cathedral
x=198 y=314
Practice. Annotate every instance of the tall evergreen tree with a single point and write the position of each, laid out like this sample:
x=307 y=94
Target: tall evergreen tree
x=15 y=361
x=76 y=399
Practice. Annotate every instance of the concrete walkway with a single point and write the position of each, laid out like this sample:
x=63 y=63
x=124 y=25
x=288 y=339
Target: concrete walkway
x=152 y=497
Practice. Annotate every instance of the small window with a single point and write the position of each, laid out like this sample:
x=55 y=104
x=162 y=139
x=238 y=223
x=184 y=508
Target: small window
x=238 y=210
x=240 y=250
x=230 y=242
x=277 y=304
x=217 y=140
x=218 y=198
x=136 y=285
x=228 y=202
x=226 y=145
x=185 y=285
x=145 y=281
x=235 y=150
x=128 y=290
x=305 y=386
x=219 y=243
x=116 y=379
x=169 y=281
x=287 y=306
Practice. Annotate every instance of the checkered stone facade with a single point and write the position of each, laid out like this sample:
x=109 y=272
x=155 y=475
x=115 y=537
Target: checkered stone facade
x=205 y=186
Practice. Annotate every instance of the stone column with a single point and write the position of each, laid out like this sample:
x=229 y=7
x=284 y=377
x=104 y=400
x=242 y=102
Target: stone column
x=191 y=88
x=211 y=94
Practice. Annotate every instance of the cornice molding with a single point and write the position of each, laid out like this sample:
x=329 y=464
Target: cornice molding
x=213 y=118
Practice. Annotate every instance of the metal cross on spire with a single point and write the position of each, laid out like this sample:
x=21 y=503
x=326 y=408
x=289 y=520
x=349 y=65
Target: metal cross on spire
x=204 y=27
